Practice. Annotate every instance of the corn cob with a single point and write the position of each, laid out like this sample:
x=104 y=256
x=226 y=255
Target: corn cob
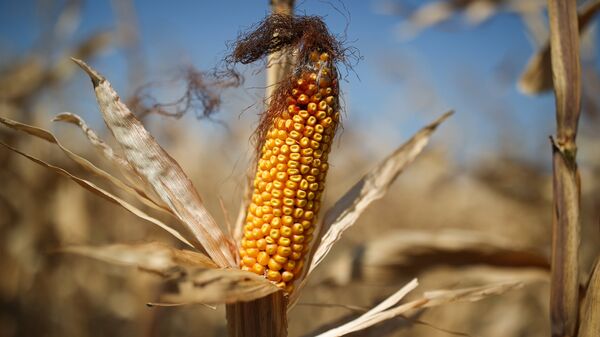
x=290 y=177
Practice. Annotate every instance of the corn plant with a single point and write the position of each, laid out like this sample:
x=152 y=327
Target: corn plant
x=259 y=273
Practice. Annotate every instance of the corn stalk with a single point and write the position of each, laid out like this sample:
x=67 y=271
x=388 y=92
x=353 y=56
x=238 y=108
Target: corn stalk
x=566 y=73
x=266 y=316
x=278 y=63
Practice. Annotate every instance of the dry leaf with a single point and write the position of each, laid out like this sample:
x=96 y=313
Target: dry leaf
x=104 y=149
x=84 y=163
x=472 y=294
x=362 y=321
x=409 y=252
x=103 y=193
x=475 y=12
x=536 y=28
x=537 y=76
x=414 y=250
x=156 y=167
x=392 y=300
x=426 y=16
x=154 y=257
x=590 y=313
x=23 y=78
x=218 y=286
x=430 y=299
x=480 y=11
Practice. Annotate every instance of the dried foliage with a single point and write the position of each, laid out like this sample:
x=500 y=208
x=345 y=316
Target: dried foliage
x=474 y=12
x=152 y=257
x=103 y=193
x=160 y=172
x=104 y=149
x=34 y=73
x=220 y=286
x=537 y=76
x=198 y=278
x=84 y=163
x=413 y=252
x=388 y=309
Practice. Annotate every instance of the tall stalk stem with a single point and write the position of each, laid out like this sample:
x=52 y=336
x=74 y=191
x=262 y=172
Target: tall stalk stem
x=566 y=75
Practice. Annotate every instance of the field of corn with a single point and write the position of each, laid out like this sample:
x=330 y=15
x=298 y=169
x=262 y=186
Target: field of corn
x=294 y=169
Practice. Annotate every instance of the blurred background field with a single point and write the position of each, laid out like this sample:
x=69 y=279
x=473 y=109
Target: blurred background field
x=484 y=182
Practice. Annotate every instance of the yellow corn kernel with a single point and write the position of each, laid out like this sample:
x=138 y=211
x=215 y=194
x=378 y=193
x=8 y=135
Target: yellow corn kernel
x=290 y=265
x=297 y=228
x=265 y=229
x=296 y=255
x=252 y=252
x=249 y=261
x=283 y=241
x=284 y=251
x=276 y=222
x=274 y=265
x=248 y=243
x=304 y=114
x=286 y=276
x=280 y=259
x=274 y=234
x=258 y=269
x=286 y=231
x=287 y=220
x=271 y=249
x=263 y=258
x=273 y=275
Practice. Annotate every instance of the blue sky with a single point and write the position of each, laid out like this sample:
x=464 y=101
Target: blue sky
x=408 y=82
